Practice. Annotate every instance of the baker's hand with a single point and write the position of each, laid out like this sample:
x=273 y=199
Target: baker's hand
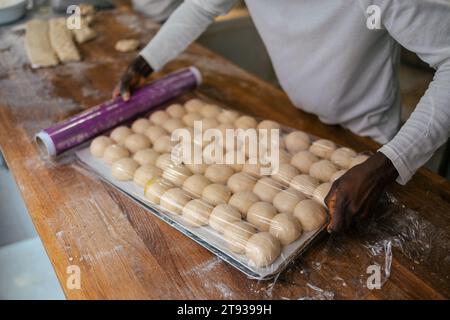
x=357 y=192
x=133 y=77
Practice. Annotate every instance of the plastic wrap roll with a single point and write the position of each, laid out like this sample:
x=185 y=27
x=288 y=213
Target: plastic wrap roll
x=86 y=125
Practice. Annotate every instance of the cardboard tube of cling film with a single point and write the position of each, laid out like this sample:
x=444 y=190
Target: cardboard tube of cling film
x=90 y=123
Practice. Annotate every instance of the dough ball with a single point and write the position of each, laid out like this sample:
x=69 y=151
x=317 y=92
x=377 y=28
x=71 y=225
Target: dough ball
x=119 y=134
x=323 y=148
x=197 y=168
x=267 y=188
x=268 y=124
x=127 y=45
x=176 y=174
x=115 y=152
x=163 y=144
x=174 y=200
x=164 y=161
x=222 y=216
x=322 y=170
x=99 y=145
x=286 y=228
x=310 y=214
x=216 y=194
x=284 y=157
x=245 y=122
x=153 y=132
x=321 y=192
x=297 y=141
x=228 y=116
x=140 y=125
x=286 y=200
x=342 y=157
x=209 y=123
x=237 y=234
x=219 y=173
x=146 y=173
x=262 y=249
x=357 y=160
x=303 y=161
x=136 y=142
x=252 y=169
x=159 y=117
x=285 y=174
x=196 y=213
x=196 y=184
x=223 y=128
x=260 y=215
x=337 y=175
x=194 y=105
x=146 y=156
x=243 y=200
x=176 y=110
x=191 y=117
x=241 y=182
x=304 y=184
x=155 y=189
x=123 y=169
x=172 y=124
x=210 y=111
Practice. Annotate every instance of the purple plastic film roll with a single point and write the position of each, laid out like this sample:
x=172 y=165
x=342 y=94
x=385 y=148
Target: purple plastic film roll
x=90 y=123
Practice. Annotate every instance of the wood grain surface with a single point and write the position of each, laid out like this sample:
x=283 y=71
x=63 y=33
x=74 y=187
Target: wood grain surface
x=125 y=252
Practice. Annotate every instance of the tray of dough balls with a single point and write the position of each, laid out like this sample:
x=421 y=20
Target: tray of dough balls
x=257 y=223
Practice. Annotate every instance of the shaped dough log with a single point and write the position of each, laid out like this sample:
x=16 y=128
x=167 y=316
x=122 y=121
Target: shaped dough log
x=37 y=44
x=127 y=45
x=62 y=42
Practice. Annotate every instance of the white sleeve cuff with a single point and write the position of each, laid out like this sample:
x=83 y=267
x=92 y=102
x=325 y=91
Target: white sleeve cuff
x=404 y=174
x=154 y=63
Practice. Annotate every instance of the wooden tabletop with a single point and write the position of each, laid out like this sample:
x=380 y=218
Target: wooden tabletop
x=125 y=252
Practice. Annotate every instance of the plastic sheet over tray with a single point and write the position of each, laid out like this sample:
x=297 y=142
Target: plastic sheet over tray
x=205 y=236
x=304 y=177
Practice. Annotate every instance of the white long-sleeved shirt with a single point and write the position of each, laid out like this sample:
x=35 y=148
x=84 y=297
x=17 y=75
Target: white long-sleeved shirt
x=331 y=64
x=157 y=10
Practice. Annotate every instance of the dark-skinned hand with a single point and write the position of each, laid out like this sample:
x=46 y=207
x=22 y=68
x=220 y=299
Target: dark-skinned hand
x=356 y=193
x=135 y=74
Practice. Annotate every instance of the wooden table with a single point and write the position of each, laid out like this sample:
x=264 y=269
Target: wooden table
x=125 y=252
